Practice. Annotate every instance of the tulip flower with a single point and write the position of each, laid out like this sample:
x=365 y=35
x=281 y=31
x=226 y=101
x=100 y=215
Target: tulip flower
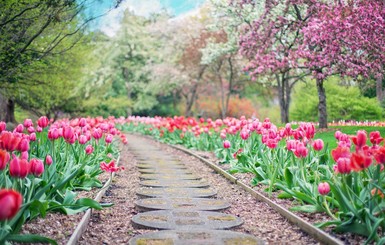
x=18 y=168
x=360 y=161
x=89 y=149
x=9 y=141
x=97 y=133
x=109 y=167
x=10 y=202
x=28 y=123
x=19 y=128
x=68 y=133
x=48 y=160
x=42 y=122
x=375 y=137
x=53 y=134
x=4 y=158
x=226 y=144
x=324 y=188
x=82 y=122
x=82 y=139
x=318 y=144
x=109 y=138
x=23 y=145
x=343 y=165
x=244 y=134
x=32 y=137
x=3 y=126
x=360 y=139
x=24 y=155
x=37 y=167
x=31 y=130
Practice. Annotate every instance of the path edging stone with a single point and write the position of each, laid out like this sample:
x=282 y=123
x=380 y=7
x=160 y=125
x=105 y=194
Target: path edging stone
x=83 y=224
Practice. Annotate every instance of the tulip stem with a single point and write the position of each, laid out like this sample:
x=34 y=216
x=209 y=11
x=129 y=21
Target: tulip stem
x=326 y=205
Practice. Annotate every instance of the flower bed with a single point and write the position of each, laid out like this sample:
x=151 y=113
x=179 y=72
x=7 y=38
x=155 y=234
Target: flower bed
x=346 y=184
x=44 y=166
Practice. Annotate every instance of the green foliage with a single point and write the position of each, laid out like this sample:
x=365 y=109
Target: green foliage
x=343 y=103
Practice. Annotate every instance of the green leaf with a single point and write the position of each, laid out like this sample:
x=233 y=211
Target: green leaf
x=357 y=228
x=89 y=203
x=306 y=208
x=288 y=177
x=30 y=238
x=284 y=195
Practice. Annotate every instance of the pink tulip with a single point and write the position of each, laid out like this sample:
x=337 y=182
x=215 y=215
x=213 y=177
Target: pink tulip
x=318 y=144
x=23 y=145
x=343 y=165
x=37 y=167
x=97 y=133
x=68 y=133
x=244 y=134
x=109 y=138
x=324 y=188
x=42 y=122
x=39 y=129
x=32 y=137
x=82 y=139
x=3 y=126
x=24 y=155
x=53 y=134
x=31 y=130
x=82 y=122
x=48 y=160
x=10 y=202
x=226 y=144
x=28 y=123
x=89 y=149
x=300 y=151
x=19 y=128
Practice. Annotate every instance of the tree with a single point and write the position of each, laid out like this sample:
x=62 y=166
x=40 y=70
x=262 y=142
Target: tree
x=346 y=38
x=268 y=42
x=31 y=31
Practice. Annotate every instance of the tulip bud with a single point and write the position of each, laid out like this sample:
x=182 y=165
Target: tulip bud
x=82 y=122
x=89 y=149
x=42 y=122
x=318 y=144
x=82 y=139
x=28 y=123
x=4 y=158
x=324 y=188
x=19 y=128
x=32 y=137
x=10 y=202
x=226 y=144
x=343 y=165
x=37 y=167
x=23 y=145
x=48 y=160
x=3 y=126
x=109 y=138
x=68 y=133
x=18 y=168
x=24 y=155
x=244 y=134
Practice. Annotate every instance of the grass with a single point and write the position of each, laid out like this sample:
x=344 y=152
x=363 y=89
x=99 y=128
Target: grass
x=328 y=135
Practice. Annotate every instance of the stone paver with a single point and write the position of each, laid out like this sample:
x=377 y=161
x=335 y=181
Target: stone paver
x=177 y=203
x=178 y=200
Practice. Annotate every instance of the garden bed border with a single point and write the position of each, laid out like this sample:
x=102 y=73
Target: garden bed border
x=83 y=224
x=313 y=231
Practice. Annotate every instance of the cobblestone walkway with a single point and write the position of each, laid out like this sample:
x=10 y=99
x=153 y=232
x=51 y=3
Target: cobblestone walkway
x=182 y=204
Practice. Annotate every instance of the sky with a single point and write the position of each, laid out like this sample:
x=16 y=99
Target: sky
x=109 y=23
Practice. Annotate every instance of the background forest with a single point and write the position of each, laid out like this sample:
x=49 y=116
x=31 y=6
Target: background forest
x=200 y=64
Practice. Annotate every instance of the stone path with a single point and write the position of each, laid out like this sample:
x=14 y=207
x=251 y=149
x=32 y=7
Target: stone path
x=181 y=203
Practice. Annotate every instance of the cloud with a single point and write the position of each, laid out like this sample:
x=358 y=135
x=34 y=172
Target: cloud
x=110 y=24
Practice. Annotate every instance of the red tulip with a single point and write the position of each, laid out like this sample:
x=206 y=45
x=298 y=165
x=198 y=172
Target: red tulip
x=360 y=161
x=226 y=144
x=360 y=139
x=10 y=202
x=109 y=167
x=340 y=152
x=324 y=188
x=9 y=141
x=4 y=158
x=379 y=155
x=375 y=137
x=19 y=168
x=37 y=166
x=42 y=122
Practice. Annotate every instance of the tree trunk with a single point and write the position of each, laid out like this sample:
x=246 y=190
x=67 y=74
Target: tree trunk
x=379 y=89
x=190 y=100
x=322 y=112
x=284 y=91
x=3 y=107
